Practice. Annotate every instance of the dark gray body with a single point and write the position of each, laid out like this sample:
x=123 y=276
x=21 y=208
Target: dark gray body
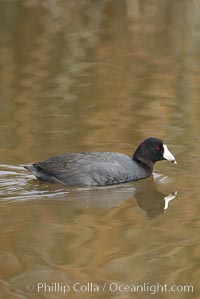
x=90 y=169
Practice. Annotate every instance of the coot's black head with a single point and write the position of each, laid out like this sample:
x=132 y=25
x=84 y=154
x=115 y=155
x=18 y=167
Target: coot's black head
x=152 y=150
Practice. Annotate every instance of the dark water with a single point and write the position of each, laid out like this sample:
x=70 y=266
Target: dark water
x=99 y=76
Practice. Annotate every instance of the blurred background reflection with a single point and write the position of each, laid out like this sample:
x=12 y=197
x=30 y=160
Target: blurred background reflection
x=91 y=75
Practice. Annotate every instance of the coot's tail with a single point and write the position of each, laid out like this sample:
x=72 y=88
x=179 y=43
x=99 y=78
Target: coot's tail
x=41 y=174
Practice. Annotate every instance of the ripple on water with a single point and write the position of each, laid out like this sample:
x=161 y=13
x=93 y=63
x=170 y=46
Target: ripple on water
x=160 y=178
x=16 y=185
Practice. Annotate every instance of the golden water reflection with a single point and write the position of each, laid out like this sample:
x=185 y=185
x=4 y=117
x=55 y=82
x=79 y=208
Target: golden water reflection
x=99 y=76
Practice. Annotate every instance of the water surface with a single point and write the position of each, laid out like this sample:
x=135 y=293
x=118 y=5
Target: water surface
x=99 y=76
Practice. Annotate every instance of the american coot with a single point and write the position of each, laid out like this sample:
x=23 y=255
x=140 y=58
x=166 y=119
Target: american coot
x=102 y=168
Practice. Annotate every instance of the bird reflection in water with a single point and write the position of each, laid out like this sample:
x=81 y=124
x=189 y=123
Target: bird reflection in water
x=146 y=194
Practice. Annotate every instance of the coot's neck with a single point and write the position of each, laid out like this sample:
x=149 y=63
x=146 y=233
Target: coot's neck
x=141 y=157
x=145 y=164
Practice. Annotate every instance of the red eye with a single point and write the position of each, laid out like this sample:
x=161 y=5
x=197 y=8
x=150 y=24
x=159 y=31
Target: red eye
x=158 y=148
